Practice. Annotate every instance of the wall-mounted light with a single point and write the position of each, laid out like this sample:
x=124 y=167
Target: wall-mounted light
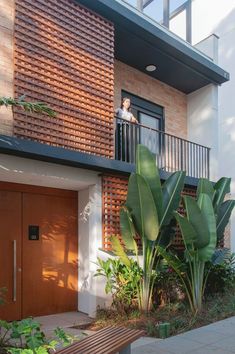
x=151 y=67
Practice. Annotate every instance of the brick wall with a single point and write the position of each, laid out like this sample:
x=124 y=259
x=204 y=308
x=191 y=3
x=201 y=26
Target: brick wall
x=140 y=84
x=6 y=63
x=64 y=57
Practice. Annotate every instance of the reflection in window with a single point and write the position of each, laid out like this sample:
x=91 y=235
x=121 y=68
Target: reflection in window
x=178 y=24
x=174 y=14
x=154 y=9
x=174 y=4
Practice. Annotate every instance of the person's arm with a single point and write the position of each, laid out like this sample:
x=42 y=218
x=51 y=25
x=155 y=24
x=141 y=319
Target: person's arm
x=134 y=120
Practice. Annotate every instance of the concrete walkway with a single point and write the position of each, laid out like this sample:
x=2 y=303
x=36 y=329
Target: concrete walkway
x=67 y=321
x=217 y=338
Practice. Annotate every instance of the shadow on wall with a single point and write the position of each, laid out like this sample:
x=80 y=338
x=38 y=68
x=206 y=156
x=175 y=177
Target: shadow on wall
x=52 y=276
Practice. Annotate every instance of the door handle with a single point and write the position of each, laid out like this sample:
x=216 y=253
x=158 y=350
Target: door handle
x=14 y=270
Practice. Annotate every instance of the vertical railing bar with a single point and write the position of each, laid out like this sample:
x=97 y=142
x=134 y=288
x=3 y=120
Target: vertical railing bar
x=208 y=163
x=121 y=141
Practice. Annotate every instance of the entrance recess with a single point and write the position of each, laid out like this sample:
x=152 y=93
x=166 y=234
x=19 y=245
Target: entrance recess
x=38 y=250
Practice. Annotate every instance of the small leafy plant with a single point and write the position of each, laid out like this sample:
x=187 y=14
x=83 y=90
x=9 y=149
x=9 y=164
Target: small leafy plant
x=121 y=281
x=26 y=337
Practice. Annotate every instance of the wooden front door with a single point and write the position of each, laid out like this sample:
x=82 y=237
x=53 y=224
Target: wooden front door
x=43 y=222
x=10 y=253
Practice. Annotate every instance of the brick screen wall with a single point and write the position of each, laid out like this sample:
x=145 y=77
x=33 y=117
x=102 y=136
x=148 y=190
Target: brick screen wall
x=6 y=63
x=64 y=56
x=114 y=191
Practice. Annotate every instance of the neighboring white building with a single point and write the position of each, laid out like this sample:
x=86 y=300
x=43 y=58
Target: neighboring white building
x=218 y=17
x=213 y=32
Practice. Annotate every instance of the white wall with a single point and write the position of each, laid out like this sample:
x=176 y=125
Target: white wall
x=216 y=16
x=203 y=122
x=91 y=289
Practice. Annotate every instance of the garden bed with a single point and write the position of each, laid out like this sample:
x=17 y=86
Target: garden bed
x=178 y=315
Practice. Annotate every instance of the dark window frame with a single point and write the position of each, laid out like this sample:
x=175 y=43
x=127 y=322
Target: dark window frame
x=145 y=106
x=167 y=15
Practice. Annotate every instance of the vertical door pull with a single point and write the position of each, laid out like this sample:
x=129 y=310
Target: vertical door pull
x=14 y=271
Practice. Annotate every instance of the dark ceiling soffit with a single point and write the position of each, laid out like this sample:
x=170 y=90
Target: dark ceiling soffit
x=163 y=39
x=42 y=152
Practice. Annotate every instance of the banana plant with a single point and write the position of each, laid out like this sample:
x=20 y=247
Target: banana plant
x=222 y=208
x=198 y=229
x=148 y=213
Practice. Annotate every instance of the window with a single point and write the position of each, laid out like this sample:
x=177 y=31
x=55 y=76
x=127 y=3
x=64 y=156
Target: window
x=148 y=132
x=174 y=14
x=154 y=9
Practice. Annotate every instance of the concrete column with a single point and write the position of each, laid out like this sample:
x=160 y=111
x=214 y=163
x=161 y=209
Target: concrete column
x=91 y=289
x=203 y=122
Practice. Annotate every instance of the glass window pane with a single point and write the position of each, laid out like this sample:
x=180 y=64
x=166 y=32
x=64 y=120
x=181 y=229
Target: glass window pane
x=154 y=9
x=178 y=24
x=174 y=4
x=148 y=137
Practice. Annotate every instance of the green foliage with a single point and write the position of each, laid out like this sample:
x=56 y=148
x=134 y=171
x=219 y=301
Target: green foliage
x=199 y=229
x=122 y=281
x=148 y=212
x=222 y=208
x=36 y=107
x=26 y=337
x=167 y=287
x=221 y=277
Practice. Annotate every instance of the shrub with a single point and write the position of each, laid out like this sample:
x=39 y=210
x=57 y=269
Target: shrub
x=27 y=337
x=122 y=281
x=221 y=276
x=167 y=286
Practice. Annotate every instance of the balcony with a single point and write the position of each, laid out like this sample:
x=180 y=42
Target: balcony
x=172 y=153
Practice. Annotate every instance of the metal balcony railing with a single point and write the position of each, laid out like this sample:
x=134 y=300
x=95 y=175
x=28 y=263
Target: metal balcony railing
x=172 y=153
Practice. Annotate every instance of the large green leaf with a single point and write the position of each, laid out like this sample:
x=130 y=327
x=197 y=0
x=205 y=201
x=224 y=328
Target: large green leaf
x=205 y=186
x=119 y=251
x=205 y=203
x=197 y=220
x=171 y=192
x=187 y=230
x=172 y=260
x=167 y=234
x=146 y=167
x=142 y=207
x=223 y=217
x=127 y=229
x=222 y=187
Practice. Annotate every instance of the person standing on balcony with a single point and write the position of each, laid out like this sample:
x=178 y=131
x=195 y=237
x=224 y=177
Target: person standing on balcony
x=124 y=111
x=126 y=133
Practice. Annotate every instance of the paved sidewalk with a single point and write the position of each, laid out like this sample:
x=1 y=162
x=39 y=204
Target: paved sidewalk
x=217 y=338
x=67 y=321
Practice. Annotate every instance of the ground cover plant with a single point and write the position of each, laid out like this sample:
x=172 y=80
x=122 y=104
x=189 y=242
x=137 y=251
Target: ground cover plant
x=26 y=337
x=219 y=304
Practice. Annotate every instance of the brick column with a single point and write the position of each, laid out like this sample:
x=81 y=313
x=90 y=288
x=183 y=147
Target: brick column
x=6 y=63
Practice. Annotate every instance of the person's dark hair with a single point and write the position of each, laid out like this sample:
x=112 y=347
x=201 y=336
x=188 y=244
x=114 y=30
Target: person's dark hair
x=123 y=100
